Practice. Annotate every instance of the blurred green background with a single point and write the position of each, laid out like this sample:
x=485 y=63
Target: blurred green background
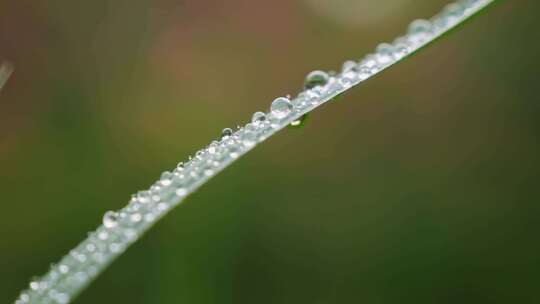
x=420 y=186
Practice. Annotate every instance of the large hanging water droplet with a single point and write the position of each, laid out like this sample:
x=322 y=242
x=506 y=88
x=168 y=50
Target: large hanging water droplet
x=315 y=78
x=110 y=219
x=300 y=122
x=226 y=133
x=281 y=107
x=258 y=119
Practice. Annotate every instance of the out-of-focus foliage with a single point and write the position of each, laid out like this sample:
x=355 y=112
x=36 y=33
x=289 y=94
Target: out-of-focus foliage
x=437 y=202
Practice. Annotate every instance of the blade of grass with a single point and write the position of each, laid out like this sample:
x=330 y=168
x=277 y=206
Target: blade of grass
x=120 y=229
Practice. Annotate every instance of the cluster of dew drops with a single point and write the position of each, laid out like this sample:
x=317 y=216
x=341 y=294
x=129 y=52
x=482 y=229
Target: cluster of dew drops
x=121 y=228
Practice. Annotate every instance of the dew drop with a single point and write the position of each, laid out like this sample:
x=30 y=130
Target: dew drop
x=316 y=78
x=234 y=152
x=34 y=284
x=400 y=50
x=149 y=217
x=162 y=206
x=155 y=188
x=258 y=119
x=63 y=268
x=212 y=148
x=90 y=247
x=110 y=219
x=347 y=79
x=135 y=217
x=370 y=61
x=181 y=191
x=130 y=234
x=419 y=30
x=115 y=247
x=226 y=133
x=166 y=178
x=453 y=11
x=281 y=107
x=249 y=139
x=385 y=53
x=349 y=65
x=364 y=73
x=62 y=298
x=143 y=197
x=103 y=235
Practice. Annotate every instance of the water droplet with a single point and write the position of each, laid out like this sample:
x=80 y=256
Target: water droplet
x=349 y=65
x=149 y=217
x=300 y=122
x=400 y=50
x=143 y=197
x=226 y=133
x=453 y=11
x=258 y=119
x=364 y=72
x=166 y=178
x=281 y=107
x=25 y=298
x=385 y=53
x=234 y=152
x=63 y=268
x=419 y=30
x=162 y=206
x=155 y=188
x=181 y=191
x=34 y=284
x=347 y=79
x=110 y=219
x=315 y=78
x=135 y=217
x=81 y=258
x=103 y=235
x=115 y=247
x=130 y=234
x=62 y=298
x=369 y=61
x=213 y=148
x=90 y=247
x=249 y=139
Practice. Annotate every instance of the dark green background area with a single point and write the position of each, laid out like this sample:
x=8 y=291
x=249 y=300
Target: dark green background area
x=419 y=186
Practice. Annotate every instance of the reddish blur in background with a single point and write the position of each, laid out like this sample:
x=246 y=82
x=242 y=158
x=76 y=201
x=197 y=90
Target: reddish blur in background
x=419 y=186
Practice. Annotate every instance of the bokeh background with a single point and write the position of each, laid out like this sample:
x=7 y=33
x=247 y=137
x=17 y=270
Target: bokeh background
x=419 y=186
